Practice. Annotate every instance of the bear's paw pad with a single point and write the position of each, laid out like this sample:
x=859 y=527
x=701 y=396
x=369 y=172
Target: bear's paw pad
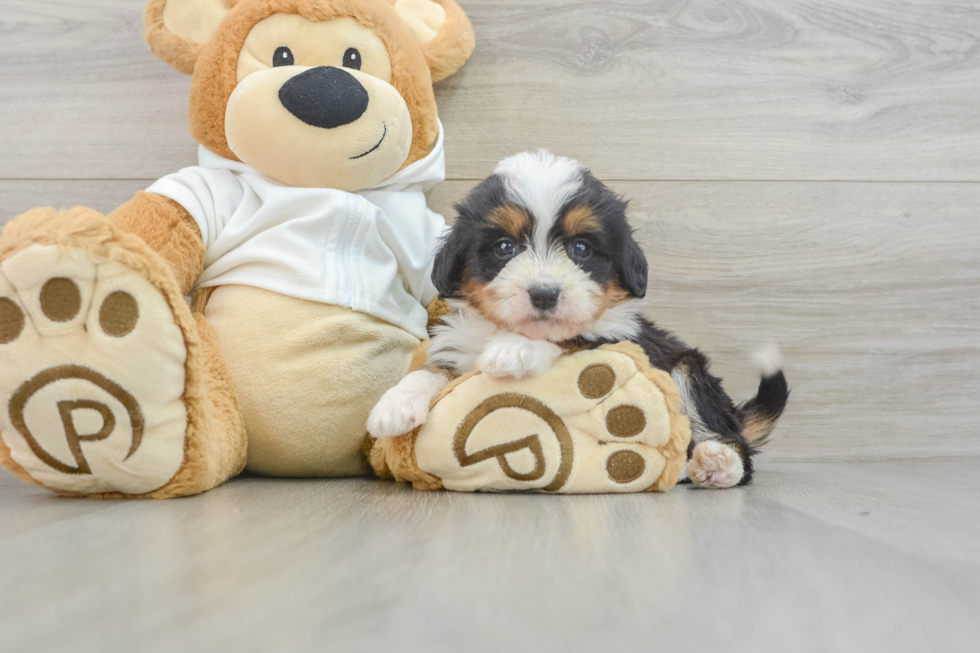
x=91 y=373
x=593 y=424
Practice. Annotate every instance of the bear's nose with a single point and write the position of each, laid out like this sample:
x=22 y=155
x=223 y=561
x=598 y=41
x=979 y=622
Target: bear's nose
x=324 y=97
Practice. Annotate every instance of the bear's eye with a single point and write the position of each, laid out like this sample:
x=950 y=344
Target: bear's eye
x=352 y=59
x=283 y=57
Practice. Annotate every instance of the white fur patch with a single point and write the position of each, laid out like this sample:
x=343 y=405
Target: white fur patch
x=769 y=359
x=514 y=356
x=542 y=183
x=578 y=302
x=699 y=431
x=714 y=465
x=460 y=338
x=620 y=322
x=405 y=406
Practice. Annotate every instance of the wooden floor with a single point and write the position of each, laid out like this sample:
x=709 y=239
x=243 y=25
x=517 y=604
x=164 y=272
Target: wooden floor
x=802 y=172
x=812 y=557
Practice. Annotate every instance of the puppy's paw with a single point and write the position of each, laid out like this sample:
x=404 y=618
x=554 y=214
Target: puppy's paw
x=714 y=465
x=514 y=356
x=406 y=406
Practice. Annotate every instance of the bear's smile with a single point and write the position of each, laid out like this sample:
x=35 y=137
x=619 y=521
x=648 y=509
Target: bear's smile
x=359 y=156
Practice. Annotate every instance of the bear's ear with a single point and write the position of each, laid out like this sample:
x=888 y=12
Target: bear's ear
x=442 y=30
x=176 y=30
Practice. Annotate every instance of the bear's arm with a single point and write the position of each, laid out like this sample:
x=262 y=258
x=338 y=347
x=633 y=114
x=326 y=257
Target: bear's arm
x=169 y=230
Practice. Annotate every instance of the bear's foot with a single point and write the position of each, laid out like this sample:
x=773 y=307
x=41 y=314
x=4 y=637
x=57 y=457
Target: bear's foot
x=599 y=421
x=92 y=359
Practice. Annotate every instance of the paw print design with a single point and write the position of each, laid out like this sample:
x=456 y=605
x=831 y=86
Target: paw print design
x=91 y=373
x=599 y=421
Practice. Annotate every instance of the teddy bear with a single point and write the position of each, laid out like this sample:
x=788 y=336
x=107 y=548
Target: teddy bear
x=302 y=240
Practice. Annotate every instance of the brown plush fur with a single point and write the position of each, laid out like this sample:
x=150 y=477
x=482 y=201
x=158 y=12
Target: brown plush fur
x=214 y=444
x=158 y=239
x=438 y=309
x=171 y=48
x=169 y=230
x=216 y=72
x=394 y=458
x=452 y=45
x=420 y=356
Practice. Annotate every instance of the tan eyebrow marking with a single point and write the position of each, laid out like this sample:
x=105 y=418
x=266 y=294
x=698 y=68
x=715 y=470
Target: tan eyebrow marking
x=579 y=220
x=511 y=219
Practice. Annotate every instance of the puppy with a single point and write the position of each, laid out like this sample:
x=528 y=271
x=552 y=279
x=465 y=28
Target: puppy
x=542 y=261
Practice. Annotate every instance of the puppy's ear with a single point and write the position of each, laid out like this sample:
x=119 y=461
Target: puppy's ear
x=633 y=269
x=443 y=32
x=176 y=30
x=447 y=270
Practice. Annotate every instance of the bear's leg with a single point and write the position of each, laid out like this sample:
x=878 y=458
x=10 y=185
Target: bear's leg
x=307 y=375
x=109 y=386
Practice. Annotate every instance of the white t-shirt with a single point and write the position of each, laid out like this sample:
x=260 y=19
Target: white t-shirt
x=371 y=250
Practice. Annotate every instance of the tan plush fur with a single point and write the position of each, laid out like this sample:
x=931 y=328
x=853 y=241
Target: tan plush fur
x=395 y=458
x=420 y=356
x=438 y=309
x=323 y=367
x=213 y=459
x=215 y=441
x=452 y=45
x=170 y=48
x=215 y=75
x=675 y=451
x=157 y=239
x=169 y=230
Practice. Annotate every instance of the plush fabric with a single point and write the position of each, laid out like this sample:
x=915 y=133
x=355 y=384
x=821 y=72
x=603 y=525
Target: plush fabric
x=214 y=81
x=322 y=370
x=169 y=230
x=192 y=435
x=601 y=421
x=113 y=387
x=452 y=45
x=371 y=251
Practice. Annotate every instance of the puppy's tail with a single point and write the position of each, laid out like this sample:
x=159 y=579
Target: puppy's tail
x=760 y=413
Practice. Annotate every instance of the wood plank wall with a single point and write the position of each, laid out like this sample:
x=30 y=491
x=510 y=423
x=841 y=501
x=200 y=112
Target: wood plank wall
x=802 y=172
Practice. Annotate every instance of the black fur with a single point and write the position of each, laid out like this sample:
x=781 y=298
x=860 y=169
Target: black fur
x=713 y=406
x=614 y=242
x=467 y=253
x=467 y=250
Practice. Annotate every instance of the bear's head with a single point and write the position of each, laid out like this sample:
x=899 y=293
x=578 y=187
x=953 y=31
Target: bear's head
x=315 y=93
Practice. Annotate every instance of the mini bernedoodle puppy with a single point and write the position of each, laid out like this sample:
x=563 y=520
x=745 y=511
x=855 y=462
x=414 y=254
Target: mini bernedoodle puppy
x=542 y=261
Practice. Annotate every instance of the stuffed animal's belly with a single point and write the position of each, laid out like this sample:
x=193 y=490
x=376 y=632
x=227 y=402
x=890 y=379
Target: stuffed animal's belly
x=307 y=375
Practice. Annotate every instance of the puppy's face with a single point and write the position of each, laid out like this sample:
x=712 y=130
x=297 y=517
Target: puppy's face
x=541 y=248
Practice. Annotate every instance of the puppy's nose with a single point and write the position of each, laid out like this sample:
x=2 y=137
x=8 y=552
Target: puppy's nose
x=544 y=298
x=324 y=97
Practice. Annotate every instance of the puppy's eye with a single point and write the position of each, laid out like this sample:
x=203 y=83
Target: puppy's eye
x=283 y=57
x=505 y=249
x=580 y=249
x=352 y=59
